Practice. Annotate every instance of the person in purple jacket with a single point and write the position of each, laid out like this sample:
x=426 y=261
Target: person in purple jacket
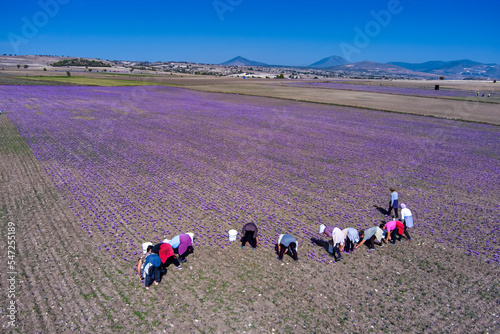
x=183 y=244
x=327 y=232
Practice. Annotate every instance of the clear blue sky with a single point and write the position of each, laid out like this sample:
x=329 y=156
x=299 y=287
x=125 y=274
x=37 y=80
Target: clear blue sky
x=272 y=31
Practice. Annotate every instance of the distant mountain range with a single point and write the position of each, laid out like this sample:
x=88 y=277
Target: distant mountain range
x=464 y=68
x=457 y=69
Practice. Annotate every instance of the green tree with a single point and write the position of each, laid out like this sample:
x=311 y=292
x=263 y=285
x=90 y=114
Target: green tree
x=18 y=66
x=26 y=66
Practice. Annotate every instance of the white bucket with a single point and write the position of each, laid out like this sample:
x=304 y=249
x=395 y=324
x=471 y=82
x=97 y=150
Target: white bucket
x=145 y=247
x=232 y=235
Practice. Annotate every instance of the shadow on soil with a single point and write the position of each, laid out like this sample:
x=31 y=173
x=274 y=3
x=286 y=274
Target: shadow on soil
x=381 y=210
x=321 y=243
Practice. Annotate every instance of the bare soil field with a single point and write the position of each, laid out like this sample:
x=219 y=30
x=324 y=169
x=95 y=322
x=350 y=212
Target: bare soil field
x=64 y=284
x=437 y=107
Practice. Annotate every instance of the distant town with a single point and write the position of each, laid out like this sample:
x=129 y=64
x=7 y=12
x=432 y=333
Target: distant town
x=330 y=67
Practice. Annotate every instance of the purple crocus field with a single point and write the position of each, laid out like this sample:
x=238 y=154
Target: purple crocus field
x=146 y=163
x=386 y=89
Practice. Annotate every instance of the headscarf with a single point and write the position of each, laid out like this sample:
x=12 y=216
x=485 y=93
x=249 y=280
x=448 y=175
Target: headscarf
x=322 y=228
x=165 y=252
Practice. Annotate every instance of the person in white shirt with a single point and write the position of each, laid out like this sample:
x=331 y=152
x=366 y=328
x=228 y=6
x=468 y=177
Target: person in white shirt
x=407 y=219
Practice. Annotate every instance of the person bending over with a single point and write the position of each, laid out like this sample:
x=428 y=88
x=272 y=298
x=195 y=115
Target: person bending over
x=338 y=240
x=407 y=219
x=370 y=235
x=395 y=230
x=142 y=260
x=167 y=256
x=351 y=237
x=183 y=244
x=250 y=234
x=327 y=232
x=151 y=270
x=287 y=242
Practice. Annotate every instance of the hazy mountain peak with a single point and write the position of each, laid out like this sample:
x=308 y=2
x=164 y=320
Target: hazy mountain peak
x=240 y=61
x=329 y=62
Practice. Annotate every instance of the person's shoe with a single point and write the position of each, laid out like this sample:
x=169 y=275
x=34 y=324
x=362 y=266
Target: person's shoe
x=392 y=242
x=242 y=247
x=182 y=260
x=179 y=267
x=339 y=258
x=254 y=248
x=280 y=259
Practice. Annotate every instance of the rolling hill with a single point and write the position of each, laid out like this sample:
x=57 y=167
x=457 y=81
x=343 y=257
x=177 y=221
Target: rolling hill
x=457 y=68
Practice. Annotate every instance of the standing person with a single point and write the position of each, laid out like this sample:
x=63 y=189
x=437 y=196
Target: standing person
x=351 y=236
x=166 y=253
x=183 y=243
x=151 y=270
x=287 y=242
x=338 y=240
x=370 y=235
x=407 y=219
x=393 y=204
x=250 y=234
x=394 y=228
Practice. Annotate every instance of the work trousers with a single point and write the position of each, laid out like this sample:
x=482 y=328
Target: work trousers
x=291 y=247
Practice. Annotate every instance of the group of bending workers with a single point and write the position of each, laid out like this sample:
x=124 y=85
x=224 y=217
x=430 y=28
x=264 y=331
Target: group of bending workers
x=153 y=264
x=391 y=230
x=349 y=239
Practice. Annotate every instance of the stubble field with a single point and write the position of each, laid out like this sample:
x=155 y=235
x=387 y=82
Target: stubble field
x=89 y=173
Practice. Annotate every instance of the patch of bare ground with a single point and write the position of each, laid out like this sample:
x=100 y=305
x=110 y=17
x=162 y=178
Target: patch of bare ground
x=437 y=107
x=65 y=285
